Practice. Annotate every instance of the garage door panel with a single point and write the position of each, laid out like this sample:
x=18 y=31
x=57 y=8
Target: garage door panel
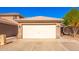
x=39 y=31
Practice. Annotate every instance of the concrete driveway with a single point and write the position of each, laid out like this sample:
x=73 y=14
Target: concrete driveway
x=40 y=45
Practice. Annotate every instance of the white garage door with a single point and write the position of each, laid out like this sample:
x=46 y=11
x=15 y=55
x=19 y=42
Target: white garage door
x=39 y=31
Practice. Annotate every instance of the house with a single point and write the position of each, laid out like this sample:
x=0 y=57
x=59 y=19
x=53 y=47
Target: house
x=7 y=23
x=39 y=27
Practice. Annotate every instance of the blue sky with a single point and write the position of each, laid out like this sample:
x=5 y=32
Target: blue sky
x=57 y=12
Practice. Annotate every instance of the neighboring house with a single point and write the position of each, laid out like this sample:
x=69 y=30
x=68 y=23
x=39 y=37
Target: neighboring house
x=8 y=25
x=39 y=27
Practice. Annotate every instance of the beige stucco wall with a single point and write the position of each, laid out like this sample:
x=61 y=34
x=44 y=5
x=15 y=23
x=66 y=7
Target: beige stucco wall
x=58 y=30
x=9 y=30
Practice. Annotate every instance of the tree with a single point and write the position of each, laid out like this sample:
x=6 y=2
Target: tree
x=71 y=19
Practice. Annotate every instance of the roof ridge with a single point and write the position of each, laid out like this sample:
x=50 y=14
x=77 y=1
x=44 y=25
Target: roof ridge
x=7 y=21
x=40 y=18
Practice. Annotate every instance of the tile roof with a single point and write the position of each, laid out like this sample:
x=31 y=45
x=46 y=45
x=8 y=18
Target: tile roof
x=7 y=21
x=40 y=18
x=10 y=14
